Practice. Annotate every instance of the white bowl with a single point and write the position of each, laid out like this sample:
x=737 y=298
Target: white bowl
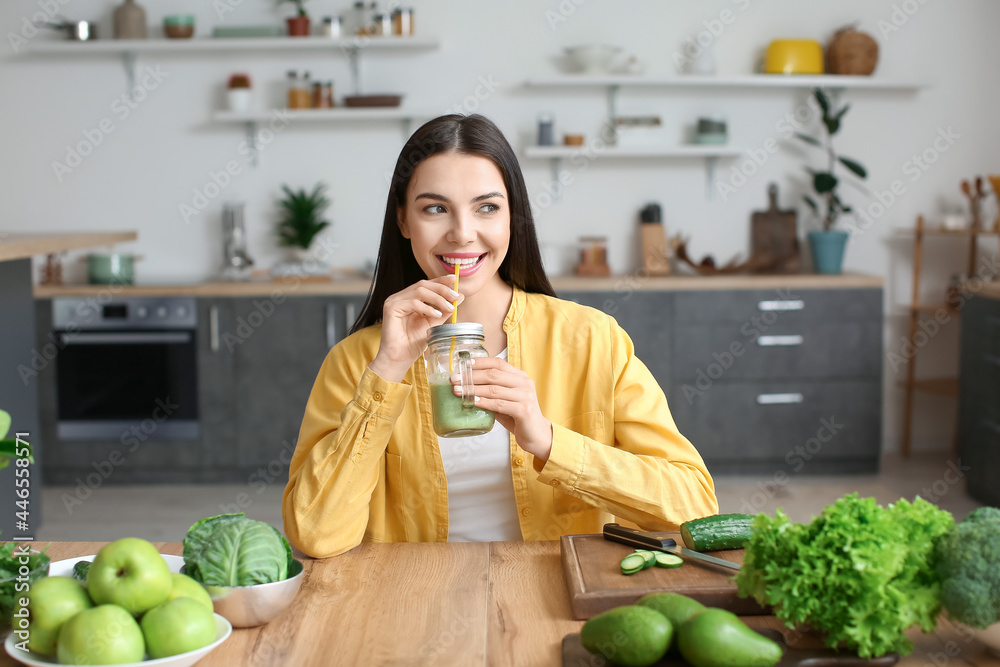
x=593 y=58
x=64 y=568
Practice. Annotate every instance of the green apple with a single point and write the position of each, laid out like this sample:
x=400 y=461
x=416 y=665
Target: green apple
x=177 y=626
x=104 y=635
x=51 y=602
x=186 y=587
x=130 y=573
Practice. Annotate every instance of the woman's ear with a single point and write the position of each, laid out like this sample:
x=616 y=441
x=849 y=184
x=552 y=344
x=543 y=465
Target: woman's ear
x=404 y=229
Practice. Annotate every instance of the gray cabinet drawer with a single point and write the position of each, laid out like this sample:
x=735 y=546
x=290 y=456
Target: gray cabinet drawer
x=773 y=306
x=981 y=452
x=803 y=349
x=789 y=423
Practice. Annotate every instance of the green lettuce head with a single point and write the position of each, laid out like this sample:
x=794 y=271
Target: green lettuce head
x=232 y=550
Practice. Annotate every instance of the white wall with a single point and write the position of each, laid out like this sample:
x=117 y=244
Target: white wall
x=142 y=172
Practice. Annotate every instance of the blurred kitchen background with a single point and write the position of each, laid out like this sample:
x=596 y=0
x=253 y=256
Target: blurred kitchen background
x=161 y=365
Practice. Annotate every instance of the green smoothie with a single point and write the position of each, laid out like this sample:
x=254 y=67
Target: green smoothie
x=454 y=420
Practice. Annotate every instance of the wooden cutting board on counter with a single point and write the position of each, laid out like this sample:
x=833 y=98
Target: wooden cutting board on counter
x=595 y=582
x=574 y=655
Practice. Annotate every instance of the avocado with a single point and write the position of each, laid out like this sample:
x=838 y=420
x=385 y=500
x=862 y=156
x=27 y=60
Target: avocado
x=630 y=636
x=676 y=607
x=718 y=638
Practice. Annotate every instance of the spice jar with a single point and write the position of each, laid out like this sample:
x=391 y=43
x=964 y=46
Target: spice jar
x=322 y=95
x=450 y=348
x=298 y=90
x=402 y=21
x=382 y=24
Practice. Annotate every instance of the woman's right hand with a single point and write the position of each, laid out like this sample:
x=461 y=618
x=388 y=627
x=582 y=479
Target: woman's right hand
x=406 y=317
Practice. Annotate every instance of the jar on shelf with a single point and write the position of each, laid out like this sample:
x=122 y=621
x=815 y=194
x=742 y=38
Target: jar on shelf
x=382 y=24
x=450 y=348
x=322 y=95
x=330 y=27
x=299 y=96
x=402 y=21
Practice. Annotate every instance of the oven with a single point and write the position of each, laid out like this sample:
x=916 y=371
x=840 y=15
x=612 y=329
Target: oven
x=126 y=365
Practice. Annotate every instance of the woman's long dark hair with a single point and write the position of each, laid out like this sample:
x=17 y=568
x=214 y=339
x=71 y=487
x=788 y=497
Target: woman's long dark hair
x=397 y=268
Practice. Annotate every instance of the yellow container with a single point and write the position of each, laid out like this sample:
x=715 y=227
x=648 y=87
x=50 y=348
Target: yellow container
x=794 y=56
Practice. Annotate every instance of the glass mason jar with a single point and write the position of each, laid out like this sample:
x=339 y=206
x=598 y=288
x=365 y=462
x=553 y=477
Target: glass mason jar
x=450 y=348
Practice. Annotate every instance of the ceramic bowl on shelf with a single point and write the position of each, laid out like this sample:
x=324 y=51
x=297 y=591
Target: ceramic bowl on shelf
x=178 y=26
x=593 y=58
x=794 y=56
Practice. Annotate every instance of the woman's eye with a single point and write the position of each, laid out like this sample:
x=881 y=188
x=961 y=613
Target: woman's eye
x=489 y=208
x=434 y=208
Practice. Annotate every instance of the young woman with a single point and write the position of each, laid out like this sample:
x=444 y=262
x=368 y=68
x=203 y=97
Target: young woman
x=583 y=433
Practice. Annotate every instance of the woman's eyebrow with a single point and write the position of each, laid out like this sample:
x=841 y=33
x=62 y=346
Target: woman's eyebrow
x=437 y=197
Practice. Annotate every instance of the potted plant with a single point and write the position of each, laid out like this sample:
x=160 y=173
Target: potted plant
x=301 y=221
x=238 y=93
x=827 y=246
x=298 y=25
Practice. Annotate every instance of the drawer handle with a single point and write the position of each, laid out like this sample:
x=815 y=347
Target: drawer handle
x=780 y=341
x=789 y=304
x=331 y=325
x=778 y=399
x=213 y=329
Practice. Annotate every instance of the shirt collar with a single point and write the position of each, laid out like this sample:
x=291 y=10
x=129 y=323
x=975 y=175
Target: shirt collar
x=516 y=310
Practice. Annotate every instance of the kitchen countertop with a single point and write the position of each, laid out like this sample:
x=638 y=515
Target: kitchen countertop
x=451 y=603
x=20 y=246
x=561 y=284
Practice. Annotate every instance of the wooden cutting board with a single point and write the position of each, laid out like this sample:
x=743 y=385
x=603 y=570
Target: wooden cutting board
x=595 y=582
x=574 y=655
x=774 y=236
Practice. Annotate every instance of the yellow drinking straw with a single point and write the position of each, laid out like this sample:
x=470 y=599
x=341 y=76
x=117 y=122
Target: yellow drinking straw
x=454 y=319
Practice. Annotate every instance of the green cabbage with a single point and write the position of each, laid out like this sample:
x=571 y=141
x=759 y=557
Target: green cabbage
x=860 y=572
x=232 y=550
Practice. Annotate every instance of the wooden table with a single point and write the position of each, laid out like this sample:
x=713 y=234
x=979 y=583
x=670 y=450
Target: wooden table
x=500 y=603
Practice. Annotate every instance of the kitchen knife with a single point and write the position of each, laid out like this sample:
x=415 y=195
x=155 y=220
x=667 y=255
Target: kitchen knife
x=643 y=540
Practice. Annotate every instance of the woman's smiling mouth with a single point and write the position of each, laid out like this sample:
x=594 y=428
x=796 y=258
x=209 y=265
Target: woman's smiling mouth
x=469 y=262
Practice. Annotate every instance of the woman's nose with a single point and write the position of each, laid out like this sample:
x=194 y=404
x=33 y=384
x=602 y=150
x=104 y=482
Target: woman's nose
x=461 y=230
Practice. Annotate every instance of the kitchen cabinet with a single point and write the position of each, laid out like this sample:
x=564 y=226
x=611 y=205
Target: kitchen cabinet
x=764 y=380
x=979 y=398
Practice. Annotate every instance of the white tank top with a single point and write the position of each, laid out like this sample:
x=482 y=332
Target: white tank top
x=481 y=505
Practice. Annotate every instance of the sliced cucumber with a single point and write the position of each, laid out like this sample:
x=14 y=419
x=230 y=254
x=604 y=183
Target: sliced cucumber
x=668 y=560
x=633 y=563
x=649 y=557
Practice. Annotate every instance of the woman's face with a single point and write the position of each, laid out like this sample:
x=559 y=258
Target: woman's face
x=457 y=212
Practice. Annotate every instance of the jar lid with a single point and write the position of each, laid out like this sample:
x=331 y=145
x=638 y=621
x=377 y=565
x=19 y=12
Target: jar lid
x=446 y=331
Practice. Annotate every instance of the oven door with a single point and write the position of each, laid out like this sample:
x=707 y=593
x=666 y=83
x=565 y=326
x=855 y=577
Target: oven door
x=110 y=383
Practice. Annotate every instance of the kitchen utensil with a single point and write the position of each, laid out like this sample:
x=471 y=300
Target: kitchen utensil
x=794 y=56
x=76 y=31
x=250 y=606
x=574 y=654
x=774 y=239
x=595 y=582
x=112 y=268
x=373 y=100
x=178 y=26
x=130 y=21
x=593 y=58
x=235 y=262
x=644 y=540
x=655 y=259
x=851 y=52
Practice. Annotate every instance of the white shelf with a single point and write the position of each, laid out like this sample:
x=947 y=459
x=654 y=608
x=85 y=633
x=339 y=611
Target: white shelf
x=209 y=44
x=743 y=81
x=345 y=114
x=698 y=151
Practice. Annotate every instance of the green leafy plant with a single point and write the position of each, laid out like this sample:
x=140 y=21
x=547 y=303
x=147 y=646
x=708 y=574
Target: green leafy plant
x=302 y=216
x=825 y=182
x=299 y=6
x=859 y=572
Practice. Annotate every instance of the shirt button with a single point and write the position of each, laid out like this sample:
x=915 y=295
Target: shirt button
x=554 y=482
x=526 y=511
x=442 y=532
x=519 y=461
x=377 y=396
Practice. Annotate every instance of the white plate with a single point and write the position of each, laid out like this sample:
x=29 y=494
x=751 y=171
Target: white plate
x=64 y=568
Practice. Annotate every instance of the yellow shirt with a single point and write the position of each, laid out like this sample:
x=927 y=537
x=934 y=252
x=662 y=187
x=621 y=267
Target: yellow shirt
x=367 y=465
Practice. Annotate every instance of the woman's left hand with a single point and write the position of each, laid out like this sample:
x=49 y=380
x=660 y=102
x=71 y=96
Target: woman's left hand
x=510 y=394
